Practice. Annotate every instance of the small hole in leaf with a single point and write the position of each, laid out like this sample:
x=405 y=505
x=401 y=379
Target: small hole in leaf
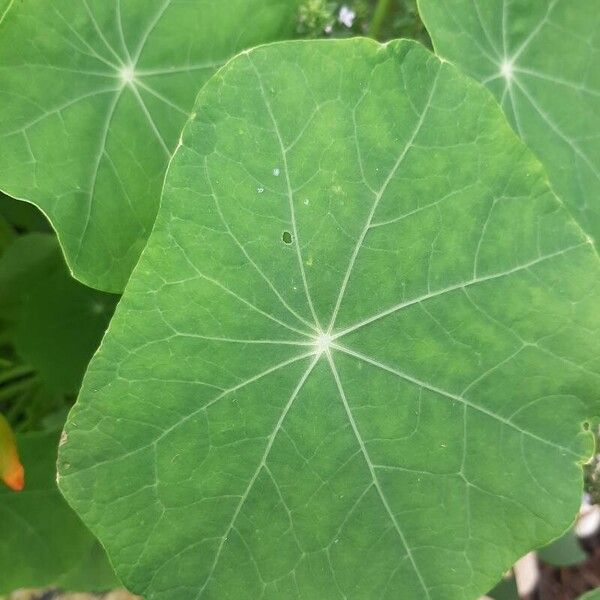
x=286 y=237
x=586 y=426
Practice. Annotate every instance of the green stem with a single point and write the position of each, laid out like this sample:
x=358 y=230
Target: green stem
x=379 y=16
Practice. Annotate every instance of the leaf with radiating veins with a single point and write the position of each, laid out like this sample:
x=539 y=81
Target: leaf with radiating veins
x=93 y=96
x=540 y=60
x=359 y=355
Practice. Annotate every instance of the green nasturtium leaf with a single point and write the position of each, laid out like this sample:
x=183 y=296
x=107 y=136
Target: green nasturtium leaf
x=593 y=595
x=540 y=59
x=357 y=356
x=93 y=96
x=42 y=541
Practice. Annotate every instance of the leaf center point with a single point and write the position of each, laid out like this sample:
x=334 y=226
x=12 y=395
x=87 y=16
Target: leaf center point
x=323 y=342
x=506 y=69
x=127 y=75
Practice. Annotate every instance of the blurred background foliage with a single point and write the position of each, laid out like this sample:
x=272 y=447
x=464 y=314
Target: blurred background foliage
x=50 y=324
x=383 y=20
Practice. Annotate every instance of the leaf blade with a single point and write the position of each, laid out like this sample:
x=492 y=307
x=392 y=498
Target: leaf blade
x=139 y=65
x=536 y=58
x=434 y=385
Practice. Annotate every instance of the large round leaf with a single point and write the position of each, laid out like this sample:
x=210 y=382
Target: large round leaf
x=356 y=357
x=540 y=59
x=93 y=96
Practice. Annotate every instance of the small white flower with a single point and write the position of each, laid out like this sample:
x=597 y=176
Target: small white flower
x=346 y=16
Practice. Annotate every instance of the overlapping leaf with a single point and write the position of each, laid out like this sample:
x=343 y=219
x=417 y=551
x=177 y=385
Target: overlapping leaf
x=356 y=358
x=93 y=96
x=540 y=59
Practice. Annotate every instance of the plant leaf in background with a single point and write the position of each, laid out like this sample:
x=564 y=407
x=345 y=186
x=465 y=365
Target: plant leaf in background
x=23 y=217
x=43 y=542
x=593 y=595
x=50 y=325
x=55 y=322
x=354 y=359
x=6 y=234
x=505 y=590
x=564 y=551
x=540 y=59
x=93 y=96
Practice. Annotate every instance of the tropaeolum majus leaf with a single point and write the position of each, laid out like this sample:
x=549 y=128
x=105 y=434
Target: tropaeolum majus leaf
x=539 y=58
x=356 y=357
x=93 y=96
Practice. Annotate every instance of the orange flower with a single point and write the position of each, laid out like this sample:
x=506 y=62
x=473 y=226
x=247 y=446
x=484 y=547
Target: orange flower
x=11 y=469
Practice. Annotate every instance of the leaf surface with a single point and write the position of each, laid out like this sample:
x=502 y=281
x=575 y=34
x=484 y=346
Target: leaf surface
x=539 y=58
x=356 y=357
x=91 y=110
x=4 y=6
